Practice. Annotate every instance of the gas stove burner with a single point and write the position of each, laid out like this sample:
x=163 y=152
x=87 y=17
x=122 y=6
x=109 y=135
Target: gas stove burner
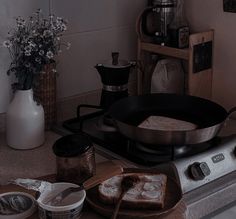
x=99 y=126
x=157 y=151
x=107 y=119
x=178 y=151
x=105 y=124
x=156 y=154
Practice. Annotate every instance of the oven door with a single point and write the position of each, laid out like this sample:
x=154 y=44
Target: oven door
x=227 y=212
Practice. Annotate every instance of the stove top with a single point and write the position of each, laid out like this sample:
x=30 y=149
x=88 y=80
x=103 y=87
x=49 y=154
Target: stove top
x=200 y=169
x=192 y=165
x=206 y=174
x=148 y=155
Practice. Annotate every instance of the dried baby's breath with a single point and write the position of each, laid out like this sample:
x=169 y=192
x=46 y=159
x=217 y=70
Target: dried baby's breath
x=32 y=44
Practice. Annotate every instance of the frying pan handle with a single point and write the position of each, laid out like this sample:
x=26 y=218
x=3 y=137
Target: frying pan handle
x=231 y=111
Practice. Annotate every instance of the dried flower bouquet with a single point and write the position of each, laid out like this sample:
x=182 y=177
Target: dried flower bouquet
x=32 y=44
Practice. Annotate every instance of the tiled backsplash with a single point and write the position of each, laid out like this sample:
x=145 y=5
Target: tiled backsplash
x=95 y=29
x=76 y=68
x=66 y=107
x=2 y=122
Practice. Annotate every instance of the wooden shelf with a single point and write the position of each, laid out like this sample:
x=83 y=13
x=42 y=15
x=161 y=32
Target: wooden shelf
x=165 y=50
x=196 y=83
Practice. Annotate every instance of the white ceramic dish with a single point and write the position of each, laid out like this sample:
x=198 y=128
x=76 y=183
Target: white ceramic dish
x=70 y=207
x=16 y=205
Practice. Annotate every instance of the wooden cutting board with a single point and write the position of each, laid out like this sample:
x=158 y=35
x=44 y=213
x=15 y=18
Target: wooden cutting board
x=174 y=205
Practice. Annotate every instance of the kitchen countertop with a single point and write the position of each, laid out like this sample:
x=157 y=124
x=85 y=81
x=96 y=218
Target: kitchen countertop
x=27 y=163
x=41 y=161
x=33 y=163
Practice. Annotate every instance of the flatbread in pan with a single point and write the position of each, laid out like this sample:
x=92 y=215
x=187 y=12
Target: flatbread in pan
x=166 y=124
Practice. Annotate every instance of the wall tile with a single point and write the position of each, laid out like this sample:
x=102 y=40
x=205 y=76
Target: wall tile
x=2 y=122
x=13 y=8
x=76 y=66
x=90 y=15
x=103 y=26
x=93 y=97
x=132 y=87
x=85 y=15
x=67 y=107
x=213 y=17
x=126 y=12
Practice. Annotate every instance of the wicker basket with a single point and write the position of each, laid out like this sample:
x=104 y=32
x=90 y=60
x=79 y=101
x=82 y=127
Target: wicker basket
x=46 y=94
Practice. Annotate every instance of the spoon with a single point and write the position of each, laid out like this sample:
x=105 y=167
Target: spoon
x=57 y=199
x=104 y=170
x=127 y=183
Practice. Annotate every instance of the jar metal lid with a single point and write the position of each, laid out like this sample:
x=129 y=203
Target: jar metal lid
x=16 y=205
x=72 y=145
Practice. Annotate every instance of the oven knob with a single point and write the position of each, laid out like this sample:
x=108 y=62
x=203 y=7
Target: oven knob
x=198 y=171
x=234 y=151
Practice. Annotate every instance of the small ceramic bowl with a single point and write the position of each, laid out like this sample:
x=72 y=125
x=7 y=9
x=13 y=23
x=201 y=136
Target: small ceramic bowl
x=69 y=208
x=16 y=205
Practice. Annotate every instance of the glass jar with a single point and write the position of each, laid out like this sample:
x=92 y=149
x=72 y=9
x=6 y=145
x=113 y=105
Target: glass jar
x=75 y=158
x=178 y=29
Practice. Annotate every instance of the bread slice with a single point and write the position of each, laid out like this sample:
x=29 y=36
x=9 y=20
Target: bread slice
x=148 y=193
x=166 y=124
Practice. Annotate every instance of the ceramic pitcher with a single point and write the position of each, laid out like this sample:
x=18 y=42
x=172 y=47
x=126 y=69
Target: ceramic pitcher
x=24 y=121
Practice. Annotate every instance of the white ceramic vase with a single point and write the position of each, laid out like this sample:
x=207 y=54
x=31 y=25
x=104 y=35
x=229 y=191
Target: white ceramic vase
x=24 y=121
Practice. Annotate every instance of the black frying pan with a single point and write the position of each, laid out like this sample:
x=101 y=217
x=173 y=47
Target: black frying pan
x=129 y=112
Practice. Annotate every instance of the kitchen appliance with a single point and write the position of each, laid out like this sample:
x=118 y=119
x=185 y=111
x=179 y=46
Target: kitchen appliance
x=206 y=171
x=155 y=19
x=114 y=76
